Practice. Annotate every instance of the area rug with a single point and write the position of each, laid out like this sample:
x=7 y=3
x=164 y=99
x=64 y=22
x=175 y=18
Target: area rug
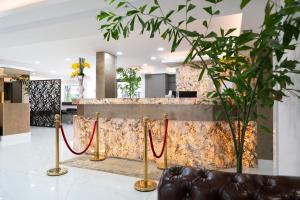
x=120 y=166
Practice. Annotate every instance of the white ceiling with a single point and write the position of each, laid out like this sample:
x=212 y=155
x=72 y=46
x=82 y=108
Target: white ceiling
x=52 y=30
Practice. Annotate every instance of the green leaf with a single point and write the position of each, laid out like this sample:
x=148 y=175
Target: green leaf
x=153 y=8
x=141 y=21
x=222 y=32
x=214 y=1
x=103 y=15
x=179 y=23
x=201 y=74
x=132 y=24
x=190 y=19
x=132 y=12
x=279 y=54
x=142 y=8
x=211 y=1
x=217 y=12
x=289 y=64
x=290 y=31
x=190 y=7
x=174 y=44
x=244 y=3
x=245 y=37
x=205 y=24
x=120 y=4
x=230 y=31
x=209 y=10
x=180 y=7
x=169 y=14
x=212 y=34
x=190 y=33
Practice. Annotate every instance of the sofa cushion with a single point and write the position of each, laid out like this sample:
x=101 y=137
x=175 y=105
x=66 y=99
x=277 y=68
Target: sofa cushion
x=184 y=183
x=206 y=185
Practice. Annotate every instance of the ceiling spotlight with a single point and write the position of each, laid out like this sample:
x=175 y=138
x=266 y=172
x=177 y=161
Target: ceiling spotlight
x=68 y=59
x=160 y=49
x=37 y=62
x=145 y=65
x=153 y=58
x=119 y=53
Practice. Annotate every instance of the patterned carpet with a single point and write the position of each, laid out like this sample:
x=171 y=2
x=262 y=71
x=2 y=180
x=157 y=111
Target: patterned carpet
x=120 y=166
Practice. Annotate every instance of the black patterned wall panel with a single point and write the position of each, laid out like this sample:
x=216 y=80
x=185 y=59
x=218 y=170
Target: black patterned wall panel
x=45 y=102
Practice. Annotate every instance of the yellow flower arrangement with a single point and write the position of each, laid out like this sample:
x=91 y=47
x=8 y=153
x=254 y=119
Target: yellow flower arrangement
x=79 y=67
x=76 y=66
x=74 y=74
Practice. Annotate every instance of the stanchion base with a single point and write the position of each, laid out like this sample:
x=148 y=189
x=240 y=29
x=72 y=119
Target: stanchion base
x=161 y=166
x=97 y=158
x=143 y=187
x=57 y=172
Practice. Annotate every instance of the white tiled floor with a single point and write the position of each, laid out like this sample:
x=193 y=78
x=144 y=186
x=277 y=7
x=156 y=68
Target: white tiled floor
x=23 y=175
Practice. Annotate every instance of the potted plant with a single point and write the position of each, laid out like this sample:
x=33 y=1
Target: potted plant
x=78 y=71
x=131 y=81
x=242 y=66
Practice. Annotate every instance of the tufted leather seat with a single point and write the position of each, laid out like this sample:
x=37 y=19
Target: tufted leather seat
x=184 y=183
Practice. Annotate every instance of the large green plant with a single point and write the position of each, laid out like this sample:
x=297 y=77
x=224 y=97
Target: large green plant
x=242 y=68
x=131 y=81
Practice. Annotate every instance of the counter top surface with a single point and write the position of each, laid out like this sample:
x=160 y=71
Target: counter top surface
x=167 y=101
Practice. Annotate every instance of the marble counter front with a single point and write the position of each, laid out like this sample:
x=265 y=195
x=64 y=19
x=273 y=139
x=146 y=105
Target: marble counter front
x=195 y=137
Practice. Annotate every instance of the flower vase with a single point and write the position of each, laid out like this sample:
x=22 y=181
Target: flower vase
x=81 y=87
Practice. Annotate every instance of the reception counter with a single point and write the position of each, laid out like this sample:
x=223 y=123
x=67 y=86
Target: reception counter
x=196 y=138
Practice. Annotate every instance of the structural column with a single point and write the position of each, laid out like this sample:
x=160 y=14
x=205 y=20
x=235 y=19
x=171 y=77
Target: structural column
x=105 y=75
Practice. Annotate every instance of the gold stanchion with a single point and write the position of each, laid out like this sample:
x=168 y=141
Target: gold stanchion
x=57 y=171
x=145 y=185
x=97 y=156
x=164 y=165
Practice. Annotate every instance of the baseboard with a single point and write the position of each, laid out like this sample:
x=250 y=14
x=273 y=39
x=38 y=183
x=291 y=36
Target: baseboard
x=265 y=165
x=15 y=139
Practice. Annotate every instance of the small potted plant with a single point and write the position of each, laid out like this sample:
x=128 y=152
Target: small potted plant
x=131 y=81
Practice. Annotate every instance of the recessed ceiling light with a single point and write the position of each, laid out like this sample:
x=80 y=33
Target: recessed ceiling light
x=37 y=62
x=153 y=58
x=119 y=53
x=160 y=49
x=145 y=65
x=68 y=59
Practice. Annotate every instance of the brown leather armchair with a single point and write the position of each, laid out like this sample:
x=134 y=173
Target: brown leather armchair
x=184 y=183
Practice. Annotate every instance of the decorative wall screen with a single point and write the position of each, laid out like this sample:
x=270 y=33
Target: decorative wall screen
x=45 y=102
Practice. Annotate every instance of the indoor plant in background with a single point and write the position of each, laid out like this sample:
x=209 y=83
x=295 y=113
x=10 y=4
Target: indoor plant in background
x=131 y=81
x=78 y=71
x=242 y=66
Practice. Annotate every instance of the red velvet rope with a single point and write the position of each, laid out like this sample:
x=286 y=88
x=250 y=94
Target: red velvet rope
x=88 y=146
x=165 y=140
